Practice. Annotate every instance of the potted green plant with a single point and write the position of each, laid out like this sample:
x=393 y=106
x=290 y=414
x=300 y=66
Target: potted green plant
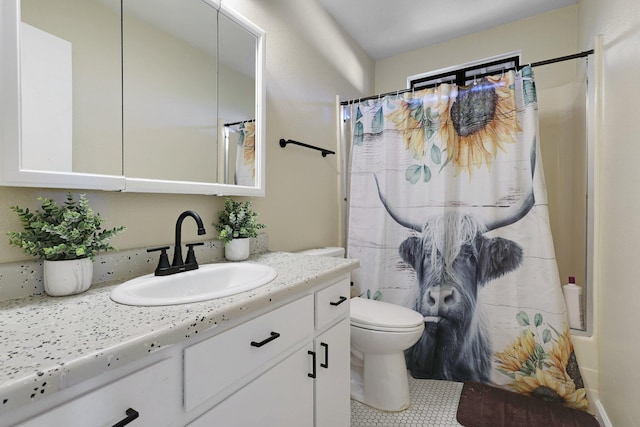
x=67 y=237
x=236 y=225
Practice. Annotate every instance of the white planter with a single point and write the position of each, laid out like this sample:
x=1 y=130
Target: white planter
x=67 y=277
x=237 y=249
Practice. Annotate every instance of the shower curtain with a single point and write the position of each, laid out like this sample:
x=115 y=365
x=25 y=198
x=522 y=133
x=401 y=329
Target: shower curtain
x=448 y=216
x=245 y=155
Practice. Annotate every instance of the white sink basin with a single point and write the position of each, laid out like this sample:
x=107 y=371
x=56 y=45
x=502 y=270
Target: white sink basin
x=210 y=281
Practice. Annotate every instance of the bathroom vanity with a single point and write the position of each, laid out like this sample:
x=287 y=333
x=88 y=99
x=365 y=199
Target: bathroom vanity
x=274 y=356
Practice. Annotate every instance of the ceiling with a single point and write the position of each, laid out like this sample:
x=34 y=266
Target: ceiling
x=385 y=28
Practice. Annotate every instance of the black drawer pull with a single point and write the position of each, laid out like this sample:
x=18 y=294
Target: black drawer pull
x=273 y=336
x=340 y=301
x=313 y=362
x=326 y=355
x=132 y=414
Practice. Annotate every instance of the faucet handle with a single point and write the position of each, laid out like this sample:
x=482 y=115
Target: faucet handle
x=163 y=264
x=191 y=256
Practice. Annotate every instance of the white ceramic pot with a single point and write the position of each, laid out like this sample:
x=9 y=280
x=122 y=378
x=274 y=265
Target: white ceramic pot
x=237 y=249
x=67 y=277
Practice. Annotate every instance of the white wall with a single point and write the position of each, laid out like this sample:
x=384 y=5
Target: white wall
x=46 y=100
x=617 y=203
x=309 y=60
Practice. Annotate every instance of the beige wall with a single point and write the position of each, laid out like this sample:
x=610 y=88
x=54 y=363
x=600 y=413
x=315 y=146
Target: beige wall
x=617 y=203
x=540 y=37
x=309 y=60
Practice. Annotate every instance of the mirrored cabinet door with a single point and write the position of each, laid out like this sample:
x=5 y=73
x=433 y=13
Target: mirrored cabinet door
x=237 y=102
x=70 y=86
x=132 y=95
x=170 y=96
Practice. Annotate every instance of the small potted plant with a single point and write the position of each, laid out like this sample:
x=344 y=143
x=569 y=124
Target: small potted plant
x=67 y=237
x=236 y=224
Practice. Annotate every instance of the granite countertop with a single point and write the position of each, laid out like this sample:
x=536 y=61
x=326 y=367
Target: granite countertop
x=50 y=343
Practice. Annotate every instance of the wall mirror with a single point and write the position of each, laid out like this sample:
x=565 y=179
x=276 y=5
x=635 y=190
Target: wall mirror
x=132 y=95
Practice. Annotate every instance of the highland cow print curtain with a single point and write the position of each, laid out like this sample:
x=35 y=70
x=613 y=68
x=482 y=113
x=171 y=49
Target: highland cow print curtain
x=448 y=216
x=245 y=172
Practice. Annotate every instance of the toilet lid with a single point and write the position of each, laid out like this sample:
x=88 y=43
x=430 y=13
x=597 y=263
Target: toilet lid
x=369 y=313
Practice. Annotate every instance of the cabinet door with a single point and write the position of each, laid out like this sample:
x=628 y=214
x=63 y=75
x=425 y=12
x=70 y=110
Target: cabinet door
x=153 y=392
x=212 y=367
x=332 y=397
x=282 y=396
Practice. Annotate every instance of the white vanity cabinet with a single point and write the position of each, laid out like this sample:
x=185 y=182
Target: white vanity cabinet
x=153 y=393
x=304 y=380
x=283 y=366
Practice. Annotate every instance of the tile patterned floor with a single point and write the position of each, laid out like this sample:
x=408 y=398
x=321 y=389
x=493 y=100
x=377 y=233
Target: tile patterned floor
x=433 y=404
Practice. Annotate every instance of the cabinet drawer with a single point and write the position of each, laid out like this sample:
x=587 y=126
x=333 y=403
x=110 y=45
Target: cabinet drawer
x=281 y=397
x=332 y=303
x=153 y=392
x=235 y=355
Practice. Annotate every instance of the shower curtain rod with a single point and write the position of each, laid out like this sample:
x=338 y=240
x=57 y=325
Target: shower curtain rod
x=533 y=64
x=240 y=122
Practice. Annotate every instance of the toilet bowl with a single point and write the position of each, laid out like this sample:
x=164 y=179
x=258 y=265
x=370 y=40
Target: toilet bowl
x=380 y=332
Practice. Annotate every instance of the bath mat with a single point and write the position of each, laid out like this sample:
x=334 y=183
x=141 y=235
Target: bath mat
x=485 y=406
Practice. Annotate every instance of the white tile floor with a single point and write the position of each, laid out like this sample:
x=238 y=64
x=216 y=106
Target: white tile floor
x=433 y=404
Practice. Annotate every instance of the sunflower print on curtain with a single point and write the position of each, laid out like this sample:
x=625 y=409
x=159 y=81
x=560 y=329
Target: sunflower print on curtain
x=246 y=155
x=448 y=216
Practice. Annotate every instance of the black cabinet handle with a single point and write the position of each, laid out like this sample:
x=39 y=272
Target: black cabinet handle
x=313 y=362
x=340 y=301
x=132 y=414
x=326 y=355
x=273 y=336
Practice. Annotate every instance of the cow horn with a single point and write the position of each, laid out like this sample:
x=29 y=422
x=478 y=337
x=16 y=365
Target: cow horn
x=516 y=212
x=393 y=213
x=509 y=215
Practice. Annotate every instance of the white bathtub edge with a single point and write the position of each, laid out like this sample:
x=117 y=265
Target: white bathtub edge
x=601 y=415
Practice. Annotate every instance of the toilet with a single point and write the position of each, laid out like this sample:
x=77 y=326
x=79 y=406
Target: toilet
x=380 y=332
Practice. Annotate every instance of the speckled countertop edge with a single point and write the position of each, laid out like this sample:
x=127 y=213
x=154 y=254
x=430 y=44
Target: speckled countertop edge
x=50 y=343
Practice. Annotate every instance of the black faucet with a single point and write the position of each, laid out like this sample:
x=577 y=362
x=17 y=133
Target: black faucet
x=177 y=250
x=178 y=265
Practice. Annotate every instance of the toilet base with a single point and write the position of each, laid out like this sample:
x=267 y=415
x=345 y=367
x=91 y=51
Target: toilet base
x=382 y=382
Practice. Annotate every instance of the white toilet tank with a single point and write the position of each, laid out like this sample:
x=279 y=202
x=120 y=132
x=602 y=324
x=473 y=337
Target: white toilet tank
x=332 y=251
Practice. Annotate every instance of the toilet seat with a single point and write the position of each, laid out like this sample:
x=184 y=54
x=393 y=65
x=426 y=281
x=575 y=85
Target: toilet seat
x=383 y=316
x=386 y=328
